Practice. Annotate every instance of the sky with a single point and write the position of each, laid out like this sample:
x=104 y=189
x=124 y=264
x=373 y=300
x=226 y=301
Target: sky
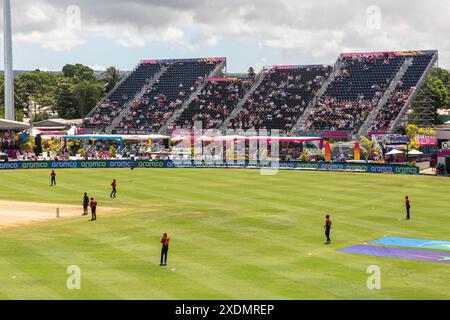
x=47 y=34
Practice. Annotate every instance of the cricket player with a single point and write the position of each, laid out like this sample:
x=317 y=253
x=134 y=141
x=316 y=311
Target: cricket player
x=327 y=228
x=113 y=186
x=93 y=205
x=85 y=204
x=53 y=178
x=165 y=248
x=407 y=206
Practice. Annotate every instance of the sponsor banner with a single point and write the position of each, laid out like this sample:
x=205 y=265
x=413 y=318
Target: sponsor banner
x=150 y=61
x=426 y=140
x=287 y=67
x=228 y=79
x=395 y=53
x=194 y=60
x=327 y=166
x=325 y=134
x=394 y=139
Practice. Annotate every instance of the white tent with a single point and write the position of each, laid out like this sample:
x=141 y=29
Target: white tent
x=415 y=152
x=394 y=152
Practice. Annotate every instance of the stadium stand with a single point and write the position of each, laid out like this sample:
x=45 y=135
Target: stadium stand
x=214 y=103
x=355 y=92
x=363 y=93
x=160 y=100
x=109 y=108
x=403 y=89
x=280 y=98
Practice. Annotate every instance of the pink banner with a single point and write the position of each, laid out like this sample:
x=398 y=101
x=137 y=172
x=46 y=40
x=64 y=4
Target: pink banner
x=426 y=141
x=223 y=79
x=286 y=67
x=150 y=61
x=444 y=153
x=396 y=53
x=326 y=134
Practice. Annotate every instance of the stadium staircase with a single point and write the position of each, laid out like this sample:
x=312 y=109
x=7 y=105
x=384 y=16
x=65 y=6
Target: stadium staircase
x=241 y=103
x=114 y=124
x=400 y=118
x=177 y=113
x=114 y=89
x=385 y=98
x=301 y=120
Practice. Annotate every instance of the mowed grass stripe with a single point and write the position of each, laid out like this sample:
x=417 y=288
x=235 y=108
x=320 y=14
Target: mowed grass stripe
x=235 y=233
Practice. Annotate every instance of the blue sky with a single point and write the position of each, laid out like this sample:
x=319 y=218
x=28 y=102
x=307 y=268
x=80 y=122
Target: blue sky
x=48 y=34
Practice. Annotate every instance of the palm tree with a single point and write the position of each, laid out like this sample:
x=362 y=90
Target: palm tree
x=111 y=76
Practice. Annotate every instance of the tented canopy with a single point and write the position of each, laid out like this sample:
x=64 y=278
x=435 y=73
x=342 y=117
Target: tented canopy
x=8 y=124
x=112 y=136
x=394 y=152
x=260 y=138
x=415 y=152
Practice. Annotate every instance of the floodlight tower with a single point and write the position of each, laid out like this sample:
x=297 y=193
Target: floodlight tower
x=9 y=76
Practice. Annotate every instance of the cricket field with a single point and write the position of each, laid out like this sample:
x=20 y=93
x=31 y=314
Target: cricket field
x=235 y=234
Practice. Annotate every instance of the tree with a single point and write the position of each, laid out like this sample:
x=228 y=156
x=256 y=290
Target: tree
x=76 y=100
x=86 y=95
x=79 y=72
x=65 y=101
x=434 y=93
x=111 y=77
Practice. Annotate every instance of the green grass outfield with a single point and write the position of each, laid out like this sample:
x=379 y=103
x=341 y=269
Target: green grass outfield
x=235 y=234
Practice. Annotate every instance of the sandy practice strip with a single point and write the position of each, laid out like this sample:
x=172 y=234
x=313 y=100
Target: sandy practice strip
x=13 y=213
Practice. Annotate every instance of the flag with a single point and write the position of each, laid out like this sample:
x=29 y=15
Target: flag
x=357 y=152
x=327 y=151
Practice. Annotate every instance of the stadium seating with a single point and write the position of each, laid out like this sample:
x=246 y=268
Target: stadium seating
x=168 y=94
x=280 y=98
x=111 y=107
x=354 y=93
x=214 y=103
x=389 y=111
x=277 y=103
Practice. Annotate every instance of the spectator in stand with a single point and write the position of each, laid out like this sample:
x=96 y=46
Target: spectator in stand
x=280 y=99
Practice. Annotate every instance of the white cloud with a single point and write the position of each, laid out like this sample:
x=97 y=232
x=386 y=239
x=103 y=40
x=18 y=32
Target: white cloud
x=57 y=40
x=317 y=29
x=97 y=67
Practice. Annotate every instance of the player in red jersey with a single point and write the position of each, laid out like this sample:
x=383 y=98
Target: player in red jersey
x=165 y=248
x=113 y=192
x=327 y=227
x=53 y=178
x=407 y=206
x=93 y=205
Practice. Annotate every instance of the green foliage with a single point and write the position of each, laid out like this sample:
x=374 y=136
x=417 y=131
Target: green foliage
x=78 y=72
x=71 y=93
x=77 y=92
x=434 y=93
x=111 y=77
x=112 y=152
x=304 y=157
x=413 y=145
x=411 y=130
x=366 y=147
